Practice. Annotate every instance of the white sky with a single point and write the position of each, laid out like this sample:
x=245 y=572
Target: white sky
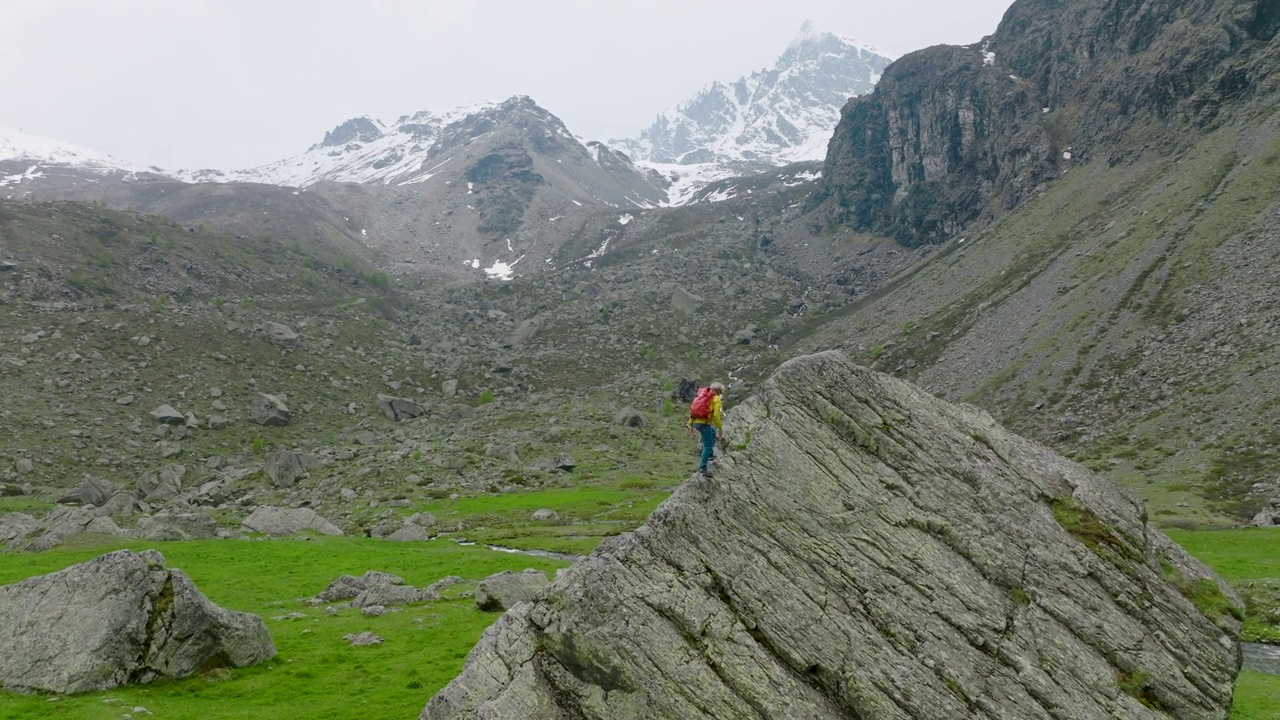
x=237 y=83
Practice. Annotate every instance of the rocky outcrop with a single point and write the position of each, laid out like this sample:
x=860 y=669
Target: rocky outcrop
x=119 y=619
x=956 y=134
x=869 y=551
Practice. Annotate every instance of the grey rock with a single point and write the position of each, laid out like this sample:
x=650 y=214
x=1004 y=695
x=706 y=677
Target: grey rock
x=23 y=466
x=545 y=515
x=685 y=302
x=16 y=526
x=164 y=483
x=398 y=409
x=269 y=410
x=10 y=490
x=92 y=490
x=181 y=526
x=119 y=619
x=167 y=415
x=285 y=467
x=870 y=551
x=362 y=639
x=373 y=611
x=410 y=533
x=502 y=452
x=280 y=335
x=422 y=519
x=504 y=590
x=387 y=594
x=525 y=332
x=629 y=417
x=287 y=521
x=124 y=400
x=168 y=449
x=564 y=462
x=219 y=422
x=449 y=388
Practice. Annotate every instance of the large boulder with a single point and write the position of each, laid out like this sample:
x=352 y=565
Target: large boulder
x=287 y=521
x=92 y=490
x=869 y=551
x=269 y=410
x=502 y=591
x=119 y=619
x=397 y=408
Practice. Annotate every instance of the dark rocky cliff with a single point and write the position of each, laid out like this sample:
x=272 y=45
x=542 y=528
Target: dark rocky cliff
x=956 y=134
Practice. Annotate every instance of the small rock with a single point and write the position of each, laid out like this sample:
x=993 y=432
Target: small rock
x=124 y=400
x=364 y=638
x=168 y=415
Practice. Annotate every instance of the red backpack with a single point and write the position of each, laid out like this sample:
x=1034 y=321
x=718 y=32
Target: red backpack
x=700 y=408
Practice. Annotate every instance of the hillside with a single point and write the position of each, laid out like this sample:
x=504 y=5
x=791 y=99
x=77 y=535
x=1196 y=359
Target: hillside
x=1125 y=310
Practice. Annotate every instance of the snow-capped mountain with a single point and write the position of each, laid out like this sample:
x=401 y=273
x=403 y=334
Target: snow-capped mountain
x=418 y=147
x=26 y=158
x=767 y=119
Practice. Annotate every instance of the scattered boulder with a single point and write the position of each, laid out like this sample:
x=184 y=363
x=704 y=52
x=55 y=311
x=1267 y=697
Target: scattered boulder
x=61 y=523
x=503 y=590
x=285 y=467
x=287 y=521
x=564 y=462
x=270 y=410
x=92 y=490
x=449 y=388
x=15 y=526
x=23 y=466
x=219 y=422
x=168 y=415
x=685 y=302
x=545 y=515
x=180 y=526
x=280 y=335
x=872 y=552
x=410 y=533
x=398 y=409
x=162 y=484
x=361 y=639
x=10 y=490
x=502 y=452
x=629 y=417
x=525 y=332
x=119 y=619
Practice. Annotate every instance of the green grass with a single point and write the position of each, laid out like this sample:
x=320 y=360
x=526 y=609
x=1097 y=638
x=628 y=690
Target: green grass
x=317 y=673
x=1243 y=557
x=587 y=514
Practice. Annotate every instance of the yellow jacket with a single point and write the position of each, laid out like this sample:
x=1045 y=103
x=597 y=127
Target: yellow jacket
x=715 y=418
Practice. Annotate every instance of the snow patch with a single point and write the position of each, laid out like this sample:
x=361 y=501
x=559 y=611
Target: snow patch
x=624 y=219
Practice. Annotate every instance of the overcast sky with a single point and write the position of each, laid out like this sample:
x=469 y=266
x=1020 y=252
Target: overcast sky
x=237 y=83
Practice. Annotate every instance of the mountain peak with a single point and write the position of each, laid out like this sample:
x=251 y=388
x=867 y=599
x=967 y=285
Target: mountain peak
x=769 y=118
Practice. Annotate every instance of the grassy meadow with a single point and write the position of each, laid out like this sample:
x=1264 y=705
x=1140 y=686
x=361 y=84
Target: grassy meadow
x=318 y=675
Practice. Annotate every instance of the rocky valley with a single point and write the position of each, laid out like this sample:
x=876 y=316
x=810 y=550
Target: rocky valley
x=475 y=327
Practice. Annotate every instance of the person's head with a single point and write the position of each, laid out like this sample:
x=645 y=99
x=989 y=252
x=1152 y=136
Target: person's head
x=717 y=388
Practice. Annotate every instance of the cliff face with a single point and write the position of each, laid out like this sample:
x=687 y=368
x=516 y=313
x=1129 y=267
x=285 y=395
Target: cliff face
x=867 y=550
x=952 y=134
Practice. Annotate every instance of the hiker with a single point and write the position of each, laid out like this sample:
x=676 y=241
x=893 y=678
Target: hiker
x=705 y=417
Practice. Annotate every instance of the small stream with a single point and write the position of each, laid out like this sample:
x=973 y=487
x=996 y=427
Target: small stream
x=536 y=553
x=1261 y=658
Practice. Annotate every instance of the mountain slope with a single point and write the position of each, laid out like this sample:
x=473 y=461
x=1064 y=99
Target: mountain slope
x=27 y=161
x=769 y=118
x=1125 y=308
